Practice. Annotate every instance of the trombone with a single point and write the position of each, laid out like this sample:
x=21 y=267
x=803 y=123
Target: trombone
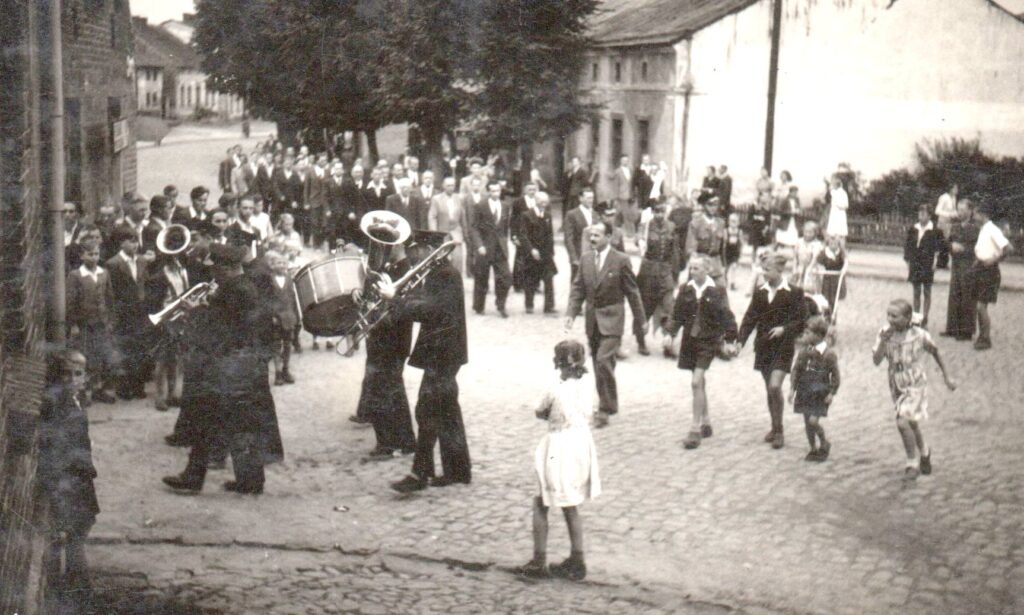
x=178 y=308
x=386 y=229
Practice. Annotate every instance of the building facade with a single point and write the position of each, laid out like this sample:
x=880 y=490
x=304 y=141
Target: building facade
x=856 y=81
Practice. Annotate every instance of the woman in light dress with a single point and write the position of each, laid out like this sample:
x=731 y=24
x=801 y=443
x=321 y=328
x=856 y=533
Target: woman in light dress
x=840 y=202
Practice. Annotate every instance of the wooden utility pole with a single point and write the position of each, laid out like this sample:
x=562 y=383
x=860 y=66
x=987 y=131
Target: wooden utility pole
x=773 y=82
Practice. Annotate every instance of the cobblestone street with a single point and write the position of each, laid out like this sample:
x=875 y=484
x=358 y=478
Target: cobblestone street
x=732 y=525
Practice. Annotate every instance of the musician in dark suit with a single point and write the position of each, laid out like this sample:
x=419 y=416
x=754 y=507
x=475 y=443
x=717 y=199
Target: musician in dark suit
x=382 y=400
x=778 y=312
x=128 y=286
x=441 y=350
x=237 y=330
x=575 y=224
x=537 y=243
x=605 y=281
x=576 y=179
x=489 y=230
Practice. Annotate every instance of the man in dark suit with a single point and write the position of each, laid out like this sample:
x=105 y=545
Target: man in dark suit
x=226 y=166
x=537 y=243
x=337 y=227
x=441 y=350
x=289 y=193
x=489 y=230
x=474 y=196
x=725 y=189
x=317 y=181
x=575 y=224
x=576 y=179
x=265 y=184
x=605 y=281
x=644 y=182
x=519 y=207
x=195 y=212
x=378 y=190
x=410 y=205
x=128 y=286
x=159 y=213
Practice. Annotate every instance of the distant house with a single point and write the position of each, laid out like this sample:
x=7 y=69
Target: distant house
x=169 y=81
x=192 y=89
x=692 y=82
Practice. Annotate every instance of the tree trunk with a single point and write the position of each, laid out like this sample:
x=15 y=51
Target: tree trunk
x=525 y=163
x=432 y=152
x=371 y=144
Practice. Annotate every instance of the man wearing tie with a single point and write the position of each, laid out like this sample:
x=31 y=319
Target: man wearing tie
x=489 y=230
x=604 y=282
x=446 y=214
x=408 y=204
x=426 y=186
x=131 y=324
x=575 y=225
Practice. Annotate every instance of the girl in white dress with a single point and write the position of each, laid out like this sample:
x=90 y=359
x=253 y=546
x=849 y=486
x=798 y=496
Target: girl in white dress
x=565 y=461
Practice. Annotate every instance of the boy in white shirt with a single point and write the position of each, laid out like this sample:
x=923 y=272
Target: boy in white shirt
x=992 y=246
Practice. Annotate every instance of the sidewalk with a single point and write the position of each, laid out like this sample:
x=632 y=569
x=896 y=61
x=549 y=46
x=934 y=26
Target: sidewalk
x=874 y=262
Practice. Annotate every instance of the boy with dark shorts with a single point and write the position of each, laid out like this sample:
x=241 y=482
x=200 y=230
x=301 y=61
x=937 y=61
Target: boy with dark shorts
x=702 y=310
x=992 y=246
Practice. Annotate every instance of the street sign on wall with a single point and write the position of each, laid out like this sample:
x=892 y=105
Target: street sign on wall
x=120 y=135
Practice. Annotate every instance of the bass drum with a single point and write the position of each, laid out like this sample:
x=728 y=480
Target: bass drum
x=325 y=293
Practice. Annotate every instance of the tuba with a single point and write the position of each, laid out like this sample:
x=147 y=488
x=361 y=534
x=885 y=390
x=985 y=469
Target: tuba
x=387 y=229
x=174 y=239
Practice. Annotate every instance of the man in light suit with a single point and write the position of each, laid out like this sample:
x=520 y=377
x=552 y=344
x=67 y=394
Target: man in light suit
x=575 y=224
x=227 y=166
x=447 y=214
x=605 y=281
x=426 y=187
x=489 y=230
x=622 y=196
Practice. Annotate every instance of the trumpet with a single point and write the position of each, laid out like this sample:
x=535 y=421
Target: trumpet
x=177 y=308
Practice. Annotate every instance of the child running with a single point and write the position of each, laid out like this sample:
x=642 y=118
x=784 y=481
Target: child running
x=905 y=345
x=814 y=383
x=566 y=462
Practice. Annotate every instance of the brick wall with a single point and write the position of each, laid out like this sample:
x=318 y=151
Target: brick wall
x=96 y=79
x=98 y=42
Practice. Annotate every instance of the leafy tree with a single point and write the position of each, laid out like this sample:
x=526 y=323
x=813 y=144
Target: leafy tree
x=425 y=67
x=304 y=64
x=530 y=59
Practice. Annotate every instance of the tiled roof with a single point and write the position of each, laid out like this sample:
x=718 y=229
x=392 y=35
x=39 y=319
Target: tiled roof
x=156 y=47
x=620 y=23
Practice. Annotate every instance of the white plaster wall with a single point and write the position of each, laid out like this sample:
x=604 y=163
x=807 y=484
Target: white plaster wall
x=729 y=76
x=863 y=83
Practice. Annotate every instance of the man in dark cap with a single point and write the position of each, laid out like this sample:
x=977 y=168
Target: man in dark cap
x=236 y=335
x=440 y=308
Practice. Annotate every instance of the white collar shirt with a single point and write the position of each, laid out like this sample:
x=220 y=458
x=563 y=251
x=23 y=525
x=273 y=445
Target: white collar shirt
x=495 y=209
x=708 y=283
x=990 y=244
x=600 y=257
x=783 y=285
x=132 y=265
x=588 y=215
x=91 y=273
x=821 y=347
x=921 y=230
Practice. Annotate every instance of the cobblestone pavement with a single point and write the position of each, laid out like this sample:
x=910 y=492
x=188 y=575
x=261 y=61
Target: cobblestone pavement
x=732 y=524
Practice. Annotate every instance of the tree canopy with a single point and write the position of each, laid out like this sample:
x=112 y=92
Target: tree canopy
x=507 y=67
